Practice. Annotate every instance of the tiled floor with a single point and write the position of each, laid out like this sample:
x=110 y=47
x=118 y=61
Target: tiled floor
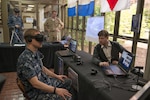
x=10 y=90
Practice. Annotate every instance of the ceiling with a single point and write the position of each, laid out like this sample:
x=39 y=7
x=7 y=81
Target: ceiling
x=29 y=5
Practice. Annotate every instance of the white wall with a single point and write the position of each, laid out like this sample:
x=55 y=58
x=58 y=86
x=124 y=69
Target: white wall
x=28 y=25
x=41 y=19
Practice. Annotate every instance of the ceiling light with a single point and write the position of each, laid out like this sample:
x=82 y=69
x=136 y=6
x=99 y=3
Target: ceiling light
x=30 y=5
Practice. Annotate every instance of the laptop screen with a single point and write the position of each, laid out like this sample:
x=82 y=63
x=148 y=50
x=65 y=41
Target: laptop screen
x=60 y=66
x=126 y=60
x=73 y=45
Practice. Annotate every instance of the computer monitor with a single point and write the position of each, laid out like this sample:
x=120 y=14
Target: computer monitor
x=74 y=77
x=143 y=94
x=60 y=66
x=29 y=20
x=126 y=60
x=73 y=45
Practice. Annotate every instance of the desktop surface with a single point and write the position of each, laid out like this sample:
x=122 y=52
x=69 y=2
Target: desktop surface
x=99 y=85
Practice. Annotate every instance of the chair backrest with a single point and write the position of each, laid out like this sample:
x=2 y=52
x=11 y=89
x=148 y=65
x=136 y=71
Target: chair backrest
x=21 y=87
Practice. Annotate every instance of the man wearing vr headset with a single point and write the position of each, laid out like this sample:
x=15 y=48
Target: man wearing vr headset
x=39 y=82
x=15 y=23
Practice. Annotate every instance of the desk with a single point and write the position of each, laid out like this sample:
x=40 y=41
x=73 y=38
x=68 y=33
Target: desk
x=99 y=86
x=9 y=55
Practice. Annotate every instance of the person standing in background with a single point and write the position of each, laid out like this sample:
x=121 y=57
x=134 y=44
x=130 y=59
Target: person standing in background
x=34 y=23
x=15 y=24
x=53 y=26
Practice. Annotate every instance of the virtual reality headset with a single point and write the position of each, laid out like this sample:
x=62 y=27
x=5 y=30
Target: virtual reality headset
x=38 y=37
x=16 y=10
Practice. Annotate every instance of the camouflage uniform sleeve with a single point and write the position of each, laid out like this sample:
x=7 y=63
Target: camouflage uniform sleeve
x=28 y=71
x=46 y=22
x=61 y=23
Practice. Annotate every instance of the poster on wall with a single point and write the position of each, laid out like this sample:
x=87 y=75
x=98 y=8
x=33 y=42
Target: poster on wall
x=135 y=27
x=94 y=25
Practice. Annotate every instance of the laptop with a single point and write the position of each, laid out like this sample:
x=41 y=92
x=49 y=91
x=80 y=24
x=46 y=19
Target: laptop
x=60 y=66
x=123 y=67
x=74 y=77
x=71 y=49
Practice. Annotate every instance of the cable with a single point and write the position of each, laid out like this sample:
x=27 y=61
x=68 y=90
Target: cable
x=125 y=85
x=104 y=84
x=108 y=84
x=120 y=86
x=115 y=77
x=130 y=80
x=127 y=89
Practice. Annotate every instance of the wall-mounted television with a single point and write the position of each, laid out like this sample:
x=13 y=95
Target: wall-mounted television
x=29 y=20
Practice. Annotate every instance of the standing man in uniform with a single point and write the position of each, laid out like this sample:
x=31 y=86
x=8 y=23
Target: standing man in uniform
x=53 y=26
x=15 y=24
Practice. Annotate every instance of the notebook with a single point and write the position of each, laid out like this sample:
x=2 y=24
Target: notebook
x=123 y=67
x=71 y=49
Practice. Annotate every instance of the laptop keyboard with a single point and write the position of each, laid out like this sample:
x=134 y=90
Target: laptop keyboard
x=116 y=69
x=65 y=53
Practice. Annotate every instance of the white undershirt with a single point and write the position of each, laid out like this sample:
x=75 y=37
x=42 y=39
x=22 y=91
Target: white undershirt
x=107 y=50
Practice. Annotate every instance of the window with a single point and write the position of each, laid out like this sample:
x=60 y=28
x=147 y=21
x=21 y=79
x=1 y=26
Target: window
x=145 y=27
x=126 y=20
x=109 y=21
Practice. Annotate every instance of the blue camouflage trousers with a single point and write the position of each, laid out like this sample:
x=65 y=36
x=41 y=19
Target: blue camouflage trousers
x=57 y=83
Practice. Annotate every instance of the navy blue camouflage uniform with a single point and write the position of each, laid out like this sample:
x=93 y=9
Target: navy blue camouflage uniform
x=12 y=21
x=30 y=65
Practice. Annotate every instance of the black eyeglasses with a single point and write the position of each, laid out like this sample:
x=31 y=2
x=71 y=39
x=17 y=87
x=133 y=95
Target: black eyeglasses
x=38 y=37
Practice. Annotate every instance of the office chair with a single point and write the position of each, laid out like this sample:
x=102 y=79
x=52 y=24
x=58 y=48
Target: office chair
x=21 y=87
